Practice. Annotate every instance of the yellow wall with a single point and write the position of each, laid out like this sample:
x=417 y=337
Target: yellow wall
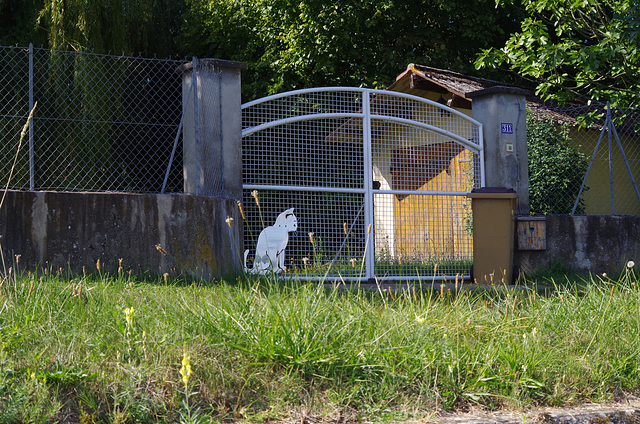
x=597 y=197
x=436 y=226
x=411 y=158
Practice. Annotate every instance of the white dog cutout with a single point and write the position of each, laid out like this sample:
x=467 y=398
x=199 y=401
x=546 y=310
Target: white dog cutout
x=271 y=244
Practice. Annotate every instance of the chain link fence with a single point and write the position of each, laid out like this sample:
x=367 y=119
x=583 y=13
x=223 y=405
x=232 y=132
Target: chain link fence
x=113 y=123
x=583 y=159
x=102 y=122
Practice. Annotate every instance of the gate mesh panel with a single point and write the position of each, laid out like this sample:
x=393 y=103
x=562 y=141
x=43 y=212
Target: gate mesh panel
x=296 y=155
x=325 y=216
x=421 y=234
x=300 y=155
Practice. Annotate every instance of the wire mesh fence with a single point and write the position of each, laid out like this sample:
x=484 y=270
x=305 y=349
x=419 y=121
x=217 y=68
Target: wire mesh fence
x=377 y=181
x=583 y=159
x=112 y=123
x=102 y=122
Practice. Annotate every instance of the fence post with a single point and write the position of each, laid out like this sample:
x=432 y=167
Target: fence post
x=212 y=132
x=32 y=184
x=503 y=114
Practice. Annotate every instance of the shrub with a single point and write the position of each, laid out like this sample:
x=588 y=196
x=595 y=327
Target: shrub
x=556 y=168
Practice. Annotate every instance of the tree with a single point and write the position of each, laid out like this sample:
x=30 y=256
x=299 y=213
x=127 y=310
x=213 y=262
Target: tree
x=132 y=27
x=572 y=49
x=297 y=44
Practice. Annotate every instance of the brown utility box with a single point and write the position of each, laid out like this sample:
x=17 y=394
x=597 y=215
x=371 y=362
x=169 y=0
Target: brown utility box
x=532 y=233
x=493 y=234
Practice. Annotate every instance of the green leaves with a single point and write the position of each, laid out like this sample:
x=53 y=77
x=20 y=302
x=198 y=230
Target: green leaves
x=575 y=49
x=114 y=26
x=556 y=168
x=290 y=45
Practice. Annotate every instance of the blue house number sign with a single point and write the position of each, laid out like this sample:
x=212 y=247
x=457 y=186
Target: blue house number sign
x=507 y=128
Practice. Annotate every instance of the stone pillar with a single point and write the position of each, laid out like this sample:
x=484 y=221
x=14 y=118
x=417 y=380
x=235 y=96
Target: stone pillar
x=503 y=114
x=212 y=136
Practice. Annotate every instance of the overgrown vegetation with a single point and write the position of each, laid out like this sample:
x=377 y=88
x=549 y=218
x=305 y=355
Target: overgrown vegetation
x=115 y=348
x=556 y=168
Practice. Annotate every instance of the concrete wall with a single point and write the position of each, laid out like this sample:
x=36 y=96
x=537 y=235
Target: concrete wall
x=594 y=244
x=55 y=229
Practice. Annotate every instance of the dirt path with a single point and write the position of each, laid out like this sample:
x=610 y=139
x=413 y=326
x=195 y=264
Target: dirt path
x=623 y=412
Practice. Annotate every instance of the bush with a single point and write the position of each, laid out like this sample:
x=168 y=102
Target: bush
x=556 y=168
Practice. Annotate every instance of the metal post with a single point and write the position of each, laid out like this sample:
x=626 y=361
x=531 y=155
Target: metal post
x=196 y=125
x=368 y=186
x=624 y=159
x=608 y=126
x=31 y=102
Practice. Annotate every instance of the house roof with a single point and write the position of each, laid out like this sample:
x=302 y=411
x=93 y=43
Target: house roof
x=460 y=89
x=443 y=80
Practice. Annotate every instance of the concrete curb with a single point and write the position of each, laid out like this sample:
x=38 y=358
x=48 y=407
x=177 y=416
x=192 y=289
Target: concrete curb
x=627 y=413
x=630 y=416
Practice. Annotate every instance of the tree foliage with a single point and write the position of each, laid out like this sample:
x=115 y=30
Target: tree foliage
x=145 y=27
x=556 y=168
x=17 y=22
x=287 y=44
x=298 y=44
x=575 y=49
x=568 y=48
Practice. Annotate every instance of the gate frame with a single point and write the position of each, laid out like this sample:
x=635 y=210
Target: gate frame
x=368 y=191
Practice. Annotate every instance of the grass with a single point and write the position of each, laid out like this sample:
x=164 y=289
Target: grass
x=355 y=268
x=112 y=348
x=117 y=348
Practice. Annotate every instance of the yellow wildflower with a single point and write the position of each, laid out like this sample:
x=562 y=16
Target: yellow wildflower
x=128 y=315
x=185 y=370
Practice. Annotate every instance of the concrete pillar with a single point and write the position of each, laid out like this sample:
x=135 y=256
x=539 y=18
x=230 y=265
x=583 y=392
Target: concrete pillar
x=212 y=128
x=503 y=114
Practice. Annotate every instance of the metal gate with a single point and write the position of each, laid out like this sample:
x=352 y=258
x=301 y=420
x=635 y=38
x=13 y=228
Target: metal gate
x=377 y=179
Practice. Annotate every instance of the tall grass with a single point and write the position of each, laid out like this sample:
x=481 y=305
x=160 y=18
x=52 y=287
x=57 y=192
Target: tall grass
x=109 y=348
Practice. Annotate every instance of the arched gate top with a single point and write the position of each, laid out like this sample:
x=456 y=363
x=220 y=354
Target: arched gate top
x=354 y=102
